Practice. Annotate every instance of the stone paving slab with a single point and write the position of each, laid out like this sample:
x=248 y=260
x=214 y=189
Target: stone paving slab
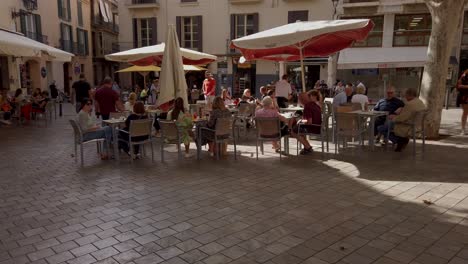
x=356 y=207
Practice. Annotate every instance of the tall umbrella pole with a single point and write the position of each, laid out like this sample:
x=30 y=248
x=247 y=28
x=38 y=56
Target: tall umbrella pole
x=302 y=69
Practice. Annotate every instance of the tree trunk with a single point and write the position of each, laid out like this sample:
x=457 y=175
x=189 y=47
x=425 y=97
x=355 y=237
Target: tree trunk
x=332 y=66
x=446 y=15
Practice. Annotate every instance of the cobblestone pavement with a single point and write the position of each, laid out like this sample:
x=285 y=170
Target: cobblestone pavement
x=357 y=207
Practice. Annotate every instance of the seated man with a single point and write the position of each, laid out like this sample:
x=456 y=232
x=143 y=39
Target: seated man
x=390 y=104
x=343 y=97
x=401 y=131
x=311 y=121
x=90 y=129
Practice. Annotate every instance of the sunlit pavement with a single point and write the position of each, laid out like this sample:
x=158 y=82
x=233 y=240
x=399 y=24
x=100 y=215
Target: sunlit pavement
x=357 y=207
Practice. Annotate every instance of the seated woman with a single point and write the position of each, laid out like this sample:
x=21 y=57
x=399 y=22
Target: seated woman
x=219 y=111
x=40 y=102
x=360 y=97
x=310 y=122
x=138 y=114
x=131 y=102
x=225 y=96
x=246 y=98
x=183 y=121
x=90 y=129
x=269 y=110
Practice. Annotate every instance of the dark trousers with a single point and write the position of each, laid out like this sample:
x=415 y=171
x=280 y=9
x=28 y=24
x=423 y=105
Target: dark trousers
x=281 y=102
x=156 y=125
x=126 y=147
x=105 y=116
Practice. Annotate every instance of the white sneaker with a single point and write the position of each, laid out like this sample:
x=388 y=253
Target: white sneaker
x=463 y=132
x=188 y=155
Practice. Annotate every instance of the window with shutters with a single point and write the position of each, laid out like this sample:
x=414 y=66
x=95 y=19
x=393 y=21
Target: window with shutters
x=465 y=30
x=82 y=42
x=145 y=32
x=244 y=25
x=66 y=37
x=300 y=15
x=64 y=11
x=189 y=33
x=80 y=13
x=31 y=27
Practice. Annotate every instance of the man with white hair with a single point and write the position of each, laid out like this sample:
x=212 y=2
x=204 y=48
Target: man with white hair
x=343 y=97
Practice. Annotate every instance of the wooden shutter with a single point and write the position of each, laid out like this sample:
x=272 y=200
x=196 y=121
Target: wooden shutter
x=60 y=8
x=78 y=40
x=68 y=10
x=255 y=22
x=72 y=46
x=135 y=33
x=23 y=24
x=179 y=30
x=86 y=42
x=62 y=42
x=154 y=30
x=199 y=21
x=233 y=30
x=37 y=19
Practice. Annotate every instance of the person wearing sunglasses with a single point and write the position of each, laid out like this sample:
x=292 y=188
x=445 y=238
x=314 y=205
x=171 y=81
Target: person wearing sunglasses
x=90 y=129
x=390 y=104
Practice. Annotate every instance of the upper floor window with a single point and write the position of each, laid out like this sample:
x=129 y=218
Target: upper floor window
x=300 y=15
x=465 y=30
x=80 y=12
x=82 y=42
x=64 y=11
x=412 y=30
x=144 y=32
x=374 y=39
x=66 y=37
x=243 y=25
x=189 y=30
x=31 y=27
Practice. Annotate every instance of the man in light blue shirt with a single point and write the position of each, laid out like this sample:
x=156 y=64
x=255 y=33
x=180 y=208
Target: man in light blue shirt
x=343 y=97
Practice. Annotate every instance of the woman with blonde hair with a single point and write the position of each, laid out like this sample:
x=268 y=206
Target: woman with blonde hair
x=131 y=102
x=225 y=96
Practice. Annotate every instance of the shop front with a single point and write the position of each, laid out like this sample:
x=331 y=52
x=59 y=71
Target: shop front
x=244 y=77
x=314 y=70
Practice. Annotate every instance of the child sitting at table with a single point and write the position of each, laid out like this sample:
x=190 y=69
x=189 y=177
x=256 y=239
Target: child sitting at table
x=183 y=120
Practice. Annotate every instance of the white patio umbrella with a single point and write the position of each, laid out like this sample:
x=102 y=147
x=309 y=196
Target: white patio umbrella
x=172 y=78
x=154 y=55
x=16 y=44
x=298 y=40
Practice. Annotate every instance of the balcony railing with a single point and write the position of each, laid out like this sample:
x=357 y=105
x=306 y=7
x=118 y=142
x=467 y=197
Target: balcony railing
x=358 y=1
x=140 y=2
x=66 y=45
x=98 y=21
x=143 y=3
x=37 y=37
x=79 y=49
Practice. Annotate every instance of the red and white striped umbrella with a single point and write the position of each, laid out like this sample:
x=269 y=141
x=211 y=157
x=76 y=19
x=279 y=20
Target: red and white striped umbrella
x=299 y=40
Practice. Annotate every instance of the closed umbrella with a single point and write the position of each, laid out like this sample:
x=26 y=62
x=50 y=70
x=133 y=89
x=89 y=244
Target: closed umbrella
x=298 y=40
x=172 y=78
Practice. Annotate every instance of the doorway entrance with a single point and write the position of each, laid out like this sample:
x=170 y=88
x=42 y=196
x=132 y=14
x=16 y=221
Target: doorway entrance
x=244 y=78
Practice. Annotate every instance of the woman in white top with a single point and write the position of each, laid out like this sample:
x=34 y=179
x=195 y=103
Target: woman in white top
x=360 y=97
x=131 y=102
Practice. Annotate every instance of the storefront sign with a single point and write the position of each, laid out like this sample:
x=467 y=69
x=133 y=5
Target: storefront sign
x=43 y=72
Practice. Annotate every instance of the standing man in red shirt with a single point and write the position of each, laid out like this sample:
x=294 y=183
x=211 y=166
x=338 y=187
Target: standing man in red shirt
x=209 y=87
x=107 y=100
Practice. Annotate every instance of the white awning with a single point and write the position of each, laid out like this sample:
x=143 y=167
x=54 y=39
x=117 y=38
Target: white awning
x=102 y=8
x=369 y=58
x=16 y=44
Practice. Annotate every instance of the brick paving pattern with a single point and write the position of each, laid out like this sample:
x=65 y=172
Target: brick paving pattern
x=354 y=208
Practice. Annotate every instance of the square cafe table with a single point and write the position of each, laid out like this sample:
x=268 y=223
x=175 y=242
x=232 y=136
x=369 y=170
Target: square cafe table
x=114 y=123
x=372 y=115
